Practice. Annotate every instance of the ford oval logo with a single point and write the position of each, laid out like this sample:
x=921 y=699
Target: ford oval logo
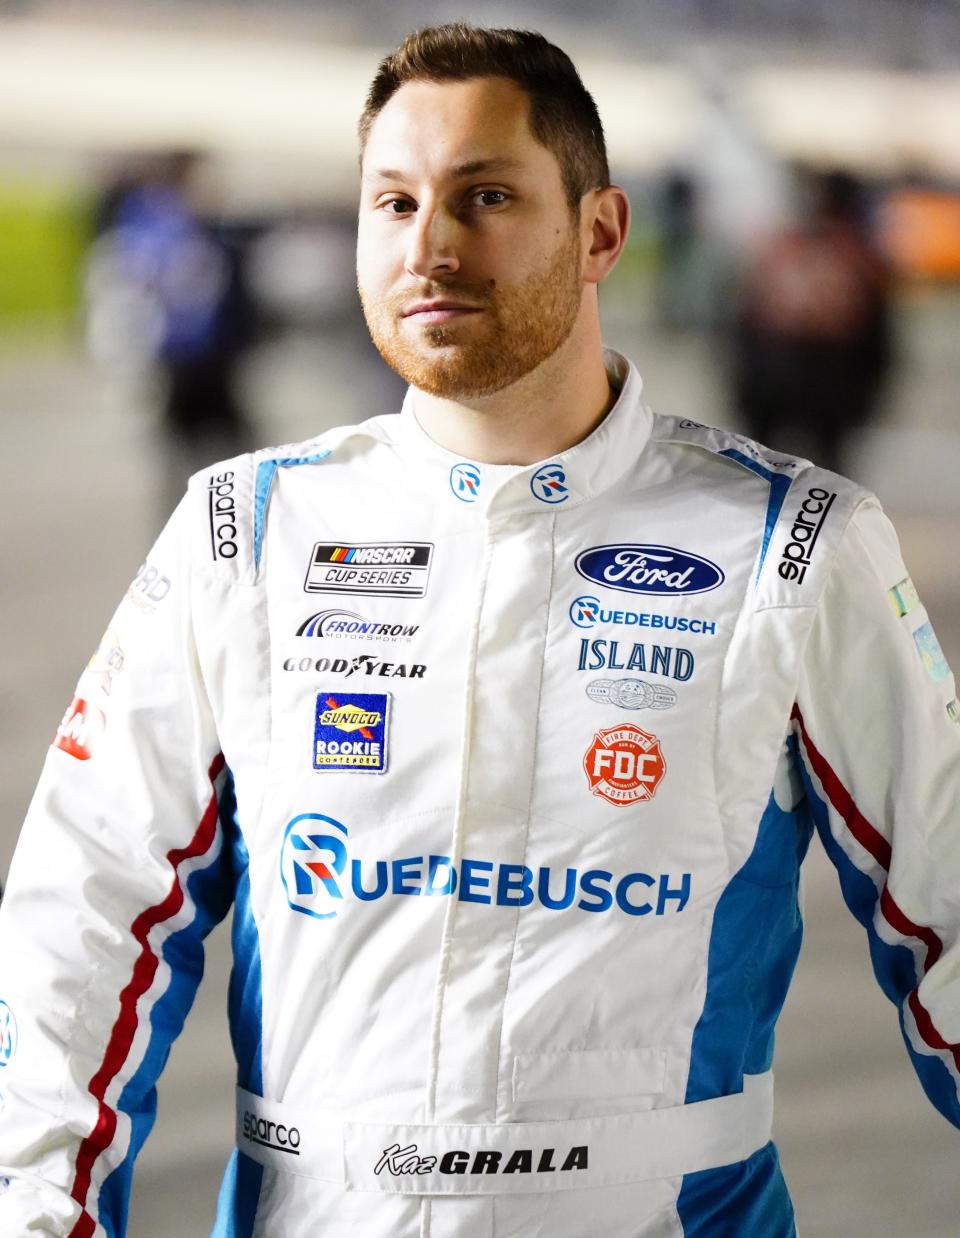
x=662 y=570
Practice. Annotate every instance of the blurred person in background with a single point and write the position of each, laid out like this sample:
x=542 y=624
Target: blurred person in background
x=504 y=725
x=812 y=346
x=694 y=271
x=167 y=289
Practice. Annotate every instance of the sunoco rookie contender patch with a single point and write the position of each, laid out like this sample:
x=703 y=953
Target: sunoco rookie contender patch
x=351 y=731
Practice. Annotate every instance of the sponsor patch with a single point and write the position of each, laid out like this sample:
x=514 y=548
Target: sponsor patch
x=320 y=877
x=465 y=482
x=631 y=694
x=348 y=625
x=381 y=569
x=148 y=588
x=904 y=597
x=586 y=612
x=8 y=1035
x=223 y=516
x=624 y=765
x=639 y=568
x=350 y=731
x=268 y=1134
x=79 y=730
x=107 y=661
x=798 y=553
x=365 y=664
x=313 y=856
x=665 y=660
x=398 y=1161
x=931 y=655
x=548 y=484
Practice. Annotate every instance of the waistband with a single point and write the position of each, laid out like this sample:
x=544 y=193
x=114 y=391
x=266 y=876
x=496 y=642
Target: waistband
x=499 y=1158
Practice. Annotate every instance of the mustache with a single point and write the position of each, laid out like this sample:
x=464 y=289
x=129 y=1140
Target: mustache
x=477 y=292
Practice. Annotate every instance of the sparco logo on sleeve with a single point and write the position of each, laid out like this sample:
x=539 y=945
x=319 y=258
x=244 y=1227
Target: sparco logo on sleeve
x=223 y=516
x=660 y=570
x=807 y=524
x=384 y=569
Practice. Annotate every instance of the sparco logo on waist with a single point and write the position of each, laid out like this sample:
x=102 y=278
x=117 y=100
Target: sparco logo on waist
x=385 y=569
x=398 y=1161
x=271 y=1134
x=223 y=516
x=660 y=570
x=807 y=524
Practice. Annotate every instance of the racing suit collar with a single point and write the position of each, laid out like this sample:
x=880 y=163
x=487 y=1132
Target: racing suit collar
x=566 y=480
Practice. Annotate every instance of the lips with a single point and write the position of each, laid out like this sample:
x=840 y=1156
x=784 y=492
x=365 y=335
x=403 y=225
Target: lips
x=439 y=311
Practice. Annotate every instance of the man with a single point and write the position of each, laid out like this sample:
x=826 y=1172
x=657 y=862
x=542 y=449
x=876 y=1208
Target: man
x=504 y=724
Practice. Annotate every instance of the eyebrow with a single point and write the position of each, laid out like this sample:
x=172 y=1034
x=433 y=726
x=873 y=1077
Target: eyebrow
x=473 y=168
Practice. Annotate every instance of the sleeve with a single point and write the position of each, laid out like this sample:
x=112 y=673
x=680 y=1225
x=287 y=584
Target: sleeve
x=877 y=728
x=118 y=875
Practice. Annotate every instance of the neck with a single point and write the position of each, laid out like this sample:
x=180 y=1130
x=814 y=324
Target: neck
x=550 y=409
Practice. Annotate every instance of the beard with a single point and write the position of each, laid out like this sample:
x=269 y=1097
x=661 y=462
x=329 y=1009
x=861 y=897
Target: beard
x=521 y=325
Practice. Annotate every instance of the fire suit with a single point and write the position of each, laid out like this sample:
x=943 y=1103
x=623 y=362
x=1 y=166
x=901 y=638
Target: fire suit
x=508 y=773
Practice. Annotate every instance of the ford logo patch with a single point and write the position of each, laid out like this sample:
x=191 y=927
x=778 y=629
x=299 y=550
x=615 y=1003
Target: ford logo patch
x=662 y=570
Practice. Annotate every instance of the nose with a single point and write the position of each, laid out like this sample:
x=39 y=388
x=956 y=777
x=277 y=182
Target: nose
x=432 y=247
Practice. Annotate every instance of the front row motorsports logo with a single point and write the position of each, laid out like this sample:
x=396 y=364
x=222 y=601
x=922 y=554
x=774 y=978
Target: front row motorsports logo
x=624 y=764
x=311 y=859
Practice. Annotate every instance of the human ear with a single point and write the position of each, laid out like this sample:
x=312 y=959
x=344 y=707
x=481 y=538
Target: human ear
x=605 y=218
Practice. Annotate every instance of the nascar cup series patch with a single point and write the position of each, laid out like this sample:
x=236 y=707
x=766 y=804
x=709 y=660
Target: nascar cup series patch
x=350 y=731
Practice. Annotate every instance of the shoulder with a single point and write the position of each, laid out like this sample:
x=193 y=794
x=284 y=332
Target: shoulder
x=806 y=516
x=737 y=450
x=226 y=503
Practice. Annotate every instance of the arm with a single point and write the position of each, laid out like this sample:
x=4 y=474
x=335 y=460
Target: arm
x=879 y=748
x=118 y=875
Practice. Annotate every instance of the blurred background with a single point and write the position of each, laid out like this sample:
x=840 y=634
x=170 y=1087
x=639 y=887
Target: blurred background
x=177 y=193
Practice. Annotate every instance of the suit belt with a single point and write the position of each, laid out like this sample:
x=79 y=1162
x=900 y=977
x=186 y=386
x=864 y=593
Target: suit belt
x=497 y=1158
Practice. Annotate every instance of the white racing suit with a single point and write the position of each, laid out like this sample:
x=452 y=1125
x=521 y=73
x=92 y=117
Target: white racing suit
x=508 y=773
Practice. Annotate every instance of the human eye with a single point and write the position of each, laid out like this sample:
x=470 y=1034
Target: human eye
x=397 y=205
x=489 y=198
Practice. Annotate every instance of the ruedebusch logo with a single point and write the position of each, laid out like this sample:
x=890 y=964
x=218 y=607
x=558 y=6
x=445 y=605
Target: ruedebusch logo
x=310 y=862
x=320 y=879
x=586 y=612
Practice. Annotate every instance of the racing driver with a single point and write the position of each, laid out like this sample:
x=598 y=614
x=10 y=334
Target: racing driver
x=504 y=725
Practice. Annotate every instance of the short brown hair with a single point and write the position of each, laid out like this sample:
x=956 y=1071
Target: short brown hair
x=563 y=115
